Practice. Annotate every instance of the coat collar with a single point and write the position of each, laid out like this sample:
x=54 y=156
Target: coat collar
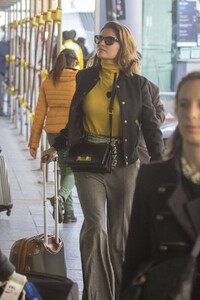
x=185 y=210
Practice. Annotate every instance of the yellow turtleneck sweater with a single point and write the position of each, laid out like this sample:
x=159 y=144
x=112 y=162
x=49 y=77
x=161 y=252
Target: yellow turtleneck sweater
x=96 y=103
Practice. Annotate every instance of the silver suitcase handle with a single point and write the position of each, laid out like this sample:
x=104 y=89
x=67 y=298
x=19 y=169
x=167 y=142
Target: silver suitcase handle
x=55 y=202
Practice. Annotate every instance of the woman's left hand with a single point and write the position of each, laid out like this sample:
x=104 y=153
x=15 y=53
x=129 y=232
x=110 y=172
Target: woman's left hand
x=49 y=155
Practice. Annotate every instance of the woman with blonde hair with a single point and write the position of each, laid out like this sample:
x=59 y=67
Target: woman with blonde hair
x=106 y=198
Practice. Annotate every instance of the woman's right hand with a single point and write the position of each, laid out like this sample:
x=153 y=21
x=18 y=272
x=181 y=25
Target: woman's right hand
x=49 y=155
x=33 y=152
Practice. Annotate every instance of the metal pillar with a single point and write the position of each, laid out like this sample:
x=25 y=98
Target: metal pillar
x=59 y=37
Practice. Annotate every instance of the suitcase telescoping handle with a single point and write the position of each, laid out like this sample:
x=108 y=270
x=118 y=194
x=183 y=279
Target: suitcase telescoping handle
x=55 y=202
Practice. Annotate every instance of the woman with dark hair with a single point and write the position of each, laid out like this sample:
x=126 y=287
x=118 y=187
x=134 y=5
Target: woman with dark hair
x=106 y=198
x=51 y=114
x=164 y=222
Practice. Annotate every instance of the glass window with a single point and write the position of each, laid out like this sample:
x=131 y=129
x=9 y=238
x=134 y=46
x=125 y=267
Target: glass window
x=157 y=45
x=171 y=41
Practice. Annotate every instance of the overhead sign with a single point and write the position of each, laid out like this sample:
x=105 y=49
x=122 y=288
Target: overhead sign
x=186 y=23
x=115 y=10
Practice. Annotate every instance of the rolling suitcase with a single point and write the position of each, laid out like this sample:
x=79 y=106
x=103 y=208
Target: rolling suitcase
x=5 y=196
x=42 y=253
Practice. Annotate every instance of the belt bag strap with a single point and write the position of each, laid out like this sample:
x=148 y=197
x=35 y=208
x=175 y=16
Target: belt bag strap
x=110 y=108
x=196 y=248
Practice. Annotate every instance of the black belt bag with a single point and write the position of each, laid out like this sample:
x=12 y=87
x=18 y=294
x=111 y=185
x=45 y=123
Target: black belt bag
x=93 y=157
x=90 y=157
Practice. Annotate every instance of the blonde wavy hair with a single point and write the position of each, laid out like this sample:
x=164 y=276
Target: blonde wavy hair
x=127 y=58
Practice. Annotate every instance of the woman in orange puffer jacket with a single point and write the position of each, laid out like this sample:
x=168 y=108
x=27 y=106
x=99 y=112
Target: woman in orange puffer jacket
x=51 y=114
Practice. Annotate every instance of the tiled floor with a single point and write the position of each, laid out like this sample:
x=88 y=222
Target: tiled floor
x=26 y=218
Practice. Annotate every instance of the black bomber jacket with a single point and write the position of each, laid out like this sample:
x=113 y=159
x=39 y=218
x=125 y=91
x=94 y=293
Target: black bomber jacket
x=136 y=110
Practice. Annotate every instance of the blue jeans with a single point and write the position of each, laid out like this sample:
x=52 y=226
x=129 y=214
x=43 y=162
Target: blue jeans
x=67 y=176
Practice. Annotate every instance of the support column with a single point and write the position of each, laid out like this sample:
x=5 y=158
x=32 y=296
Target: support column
x=59 y=37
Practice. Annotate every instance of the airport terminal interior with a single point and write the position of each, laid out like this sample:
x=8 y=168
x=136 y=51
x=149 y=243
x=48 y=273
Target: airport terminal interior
x=168 y=37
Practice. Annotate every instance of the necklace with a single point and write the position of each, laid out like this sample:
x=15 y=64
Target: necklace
x=193 y=176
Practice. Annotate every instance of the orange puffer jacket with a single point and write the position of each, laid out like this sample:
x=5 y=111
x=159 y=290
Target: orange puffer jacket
x=53 y=105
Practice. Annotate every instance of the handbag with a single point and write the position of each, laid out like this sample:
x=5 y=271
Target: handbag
x=90 y=157
x=93 y=157
x=171 y=279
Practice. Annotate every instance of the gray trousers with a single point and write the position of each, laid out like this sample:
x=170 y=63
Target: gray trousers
x=106 y=201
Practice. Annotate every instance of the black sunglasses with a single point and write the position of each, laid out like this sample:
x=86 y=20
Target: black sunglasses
x=109 y=40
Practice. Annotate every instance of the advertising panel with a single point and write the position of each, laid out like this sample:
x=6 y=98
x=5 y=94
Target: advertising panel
x=115 y=10
x=186 y=23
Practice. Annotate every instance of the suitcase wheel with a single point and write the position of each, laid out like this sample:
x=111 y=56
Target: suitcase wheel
x=6 y=208
x=9 y=209
x=8 y=212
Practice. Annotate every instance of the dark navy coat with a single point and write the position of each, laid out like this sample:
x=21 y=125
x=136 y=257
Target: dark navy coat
x=136 y=108
x=165 y=218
